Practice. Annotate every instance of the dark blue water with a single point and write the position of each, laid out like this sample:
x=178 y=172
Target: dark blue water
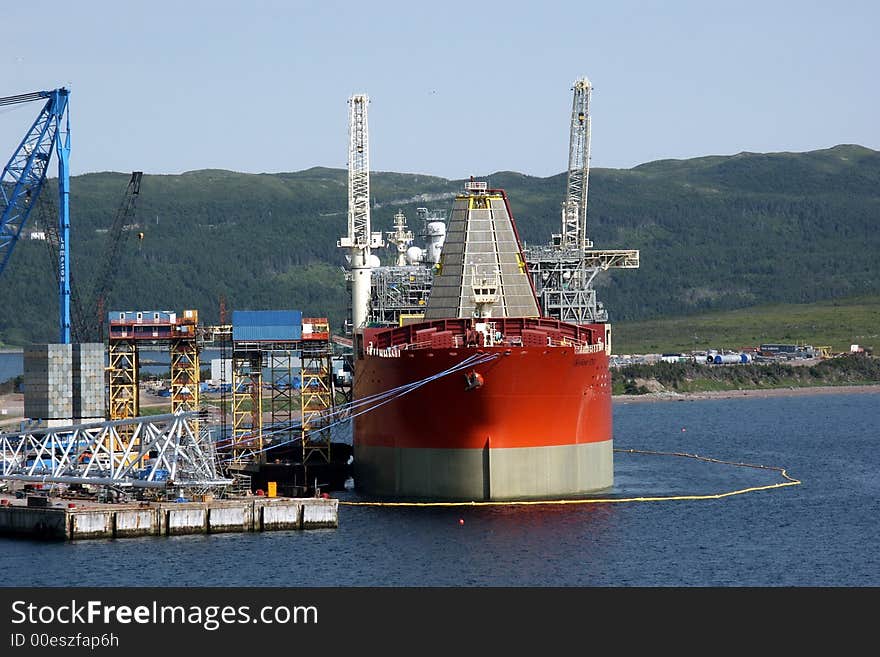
x=823 y=532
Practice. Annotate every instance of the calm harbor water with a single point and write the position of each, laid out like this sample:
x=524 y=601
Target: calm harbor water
x=822 y=532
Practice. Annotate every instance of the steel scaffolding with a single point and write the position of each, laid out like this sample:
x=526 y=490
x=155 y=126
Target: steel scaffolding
x=185 y=375
x=316 y=399
x=282 y=375
x=130 y=328
x=123 y=379
x=247 y=405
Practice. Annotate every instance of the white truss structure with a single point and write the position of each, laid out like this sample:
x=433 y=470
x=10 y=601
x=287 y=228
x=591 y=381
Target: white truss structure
x=360 y=238
x=161 y=451
x=574 y=209
x=563 y=280
x=358 y=173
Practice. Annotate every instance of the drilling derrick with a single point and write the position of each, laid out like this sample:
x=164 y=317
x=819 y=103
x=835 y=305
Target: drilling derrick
x=359 y=240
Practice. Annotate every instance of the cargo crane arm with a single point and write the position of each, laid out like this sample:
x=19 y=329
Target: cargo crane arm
x=23 y=179
x=360 y=238
x=91 y=328
x=574 y=208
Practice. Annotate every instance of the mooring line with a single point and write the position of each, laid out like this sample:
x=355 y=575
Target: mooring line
x=790 y=481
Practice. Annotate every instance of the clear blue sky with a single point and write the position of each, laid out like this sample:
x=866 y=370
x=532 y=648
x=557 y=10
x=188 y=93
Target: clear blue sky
x=456 y=88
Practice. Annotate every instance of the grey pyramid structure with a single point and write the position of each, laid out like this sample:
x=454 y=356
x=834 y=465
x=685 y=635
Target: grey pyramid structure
x=481 y=251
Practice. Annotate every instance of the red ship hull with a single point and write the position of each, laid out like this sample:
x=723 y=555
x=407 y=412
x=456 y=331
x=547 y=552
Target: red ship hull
x=509 y=421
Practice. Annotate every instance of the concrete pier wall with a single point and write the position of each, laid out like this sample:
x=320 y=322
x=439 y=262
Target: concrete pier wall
x=91 y=524
x=33 y=523
x=90 y=520
x=186 y=519
x=280 y=514
x=232 y=518
x=320 y=514
x=136 y=522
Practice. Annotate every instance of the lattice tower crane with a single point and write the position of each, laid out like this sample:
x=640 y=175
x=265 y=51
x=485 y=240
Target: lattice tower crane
x=91 y=327
x=360 y=239
x=23 y=179
x=574 y=208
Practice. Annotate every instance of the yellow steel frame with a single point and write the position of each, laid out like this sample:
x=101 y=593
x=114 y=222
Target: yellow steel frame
x=316 y=398
x=281 y=401
x=247 y=406
x=185 y=376
x=124 y=395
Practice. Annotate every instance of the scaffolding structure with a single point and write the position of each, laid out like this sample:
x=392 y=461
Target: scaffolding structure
x=130 y=329
x=316 y=400
x=291 y=381
x=283 y=381
x=247 y=405
x=123 y=379
x=266 y=375
x=185 y=374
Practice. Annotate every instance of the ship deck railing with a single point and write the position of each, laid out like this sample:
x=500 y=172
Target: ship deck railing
x=589 y=348
x=458 y=342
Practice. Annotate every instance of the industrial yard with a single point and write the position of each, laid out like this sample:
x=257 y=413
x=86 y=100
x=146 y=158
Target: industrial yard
x=82 y=427
x=274 y=419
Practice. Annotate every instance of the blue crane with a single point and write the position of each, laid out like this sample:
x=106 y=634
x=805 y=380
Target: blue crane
x=23 y=179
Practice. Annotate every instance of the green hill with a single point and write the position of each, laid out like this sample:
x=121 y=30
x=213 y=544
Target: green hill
x=836 y=323
x=715 y=234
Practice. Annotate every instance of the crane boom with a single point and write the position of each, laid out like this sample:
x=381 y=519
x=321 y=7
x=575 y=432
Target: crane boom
x=360 y=238
x=574 y=208
x=91 y=328
x=358 y=173
x=23 y=179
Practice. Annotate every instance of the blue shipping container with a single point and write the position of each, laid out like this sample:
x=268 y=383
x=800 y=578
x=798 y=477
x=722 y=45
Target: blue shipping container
x=266 y=325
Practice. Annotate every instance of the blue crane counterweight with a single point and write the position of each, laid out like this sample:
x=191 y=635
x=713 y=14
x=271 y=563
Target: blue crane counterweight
x=23 y=179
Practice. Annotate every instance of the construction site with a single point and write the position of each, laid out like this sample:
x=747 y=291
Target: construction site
x=276 y=421
x=266 y=432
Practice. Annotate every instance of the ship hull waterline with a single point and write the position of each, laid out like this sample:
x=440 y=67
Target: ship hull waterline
x=539 y=425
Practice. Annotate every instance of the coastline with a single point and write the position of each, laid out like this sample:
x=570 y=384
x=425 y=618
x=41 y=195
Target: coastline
x=867 y=388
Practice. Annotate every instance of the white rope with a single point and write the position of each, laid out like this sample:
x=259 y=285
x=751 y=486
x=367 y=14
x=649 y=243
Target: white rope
x=367 y=404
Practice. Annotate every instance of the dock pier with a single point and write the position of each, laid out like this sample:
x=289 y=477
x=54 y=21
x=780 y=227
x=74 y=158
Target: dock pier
x=59 y=519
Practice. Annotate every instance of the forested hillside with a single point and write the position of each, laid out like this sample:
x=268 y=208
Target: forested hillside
x=715 y=233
